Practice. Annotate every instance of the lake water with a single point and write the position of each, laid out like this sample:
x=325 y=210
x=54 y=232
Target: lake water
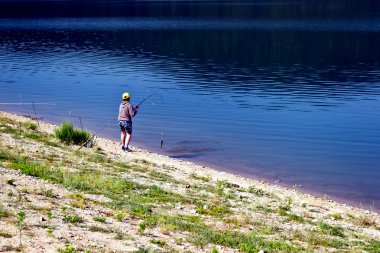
x=285 y=92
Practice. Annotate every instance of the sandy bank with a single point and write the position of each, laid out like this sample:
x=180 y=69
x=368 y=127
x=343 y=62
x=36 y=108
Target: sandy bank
x=219 y=204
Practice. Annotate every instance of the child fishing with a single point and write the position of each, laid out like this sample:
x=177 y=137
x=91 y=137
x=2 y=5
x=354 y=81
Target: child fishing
x=126 y=112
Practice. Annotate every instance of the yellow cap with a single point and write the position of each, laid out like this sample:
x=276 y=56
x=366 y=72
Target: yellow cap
x=126 y=95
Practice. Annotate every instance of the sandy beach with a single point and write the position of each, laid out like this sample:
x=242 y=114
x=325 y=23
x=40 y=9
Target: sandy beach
x=107 y=200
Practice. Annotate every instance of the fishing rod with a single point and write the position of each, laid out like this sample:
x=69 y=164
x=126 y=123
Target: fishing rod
x=155 y=94
x=96 y=133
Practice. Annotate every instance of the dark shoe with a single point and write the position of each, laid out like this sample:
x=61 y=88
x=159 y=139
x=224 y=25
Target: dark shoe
x=127 y=149
x=123 y=148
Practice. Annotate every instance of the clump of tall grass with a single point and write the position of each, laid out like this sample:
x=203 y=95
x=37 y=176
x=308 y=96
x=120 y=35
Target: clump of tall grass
x=67 y=134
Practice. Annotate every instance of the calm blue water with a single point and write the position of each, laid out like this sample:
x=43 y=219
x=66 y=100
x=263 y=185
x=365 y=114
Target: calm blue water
x=290 y=96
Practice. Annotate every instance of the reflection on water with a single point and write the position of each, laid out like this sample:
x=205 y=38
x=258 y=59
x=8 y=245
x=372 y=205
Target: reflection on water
x=278 y=97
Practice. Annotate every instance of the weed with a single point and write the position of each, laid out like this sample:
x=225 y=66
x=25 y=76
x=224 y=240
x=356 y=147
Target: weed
x=99 y=219
x=67 y=134
x=142 y=226
x=98 y=229
x=373 y=246
x=3 y=212
x=21 y=223
x=5 y=235
x=264 y=209
x=256 y=191
x=179 y=241
x=68 y=249
x=283 y=210
x=142 y=250
x=47 y=193
x=330 y=230
x=119 y=235
x=336 y=216
x=49 y=214
x=214 y=209
x=50 y=232
x=34 y=136
x=10 y=193
x=294 y=217
x=202 y=178
x=97 y=158
x=120 y=216
x=30 y=126
x=72 y=219
x=366 y=220
x=157 y=241
x=214 y=250
x=162 y=176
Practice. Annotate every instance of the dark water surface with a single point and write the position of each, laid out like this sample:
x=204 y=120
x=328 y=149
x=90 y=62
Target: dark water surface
x=284 y=92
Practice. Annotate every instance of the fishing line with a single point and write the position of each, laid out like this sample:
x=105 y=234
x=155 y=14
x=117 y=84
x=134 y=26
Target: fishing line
x=155 y=94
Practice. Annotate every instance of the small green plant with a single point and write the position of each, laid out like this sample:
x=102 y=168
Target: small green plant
x=30 y=125
x=49 y=232
x=331 y=230
x=214 y=250
x=120 y=216
x=142 y=250
x=98 y=229
x=119 y=235
x=47 y=193
x=142 y=226
x=72 y=219
x=373 y=246
x=68 y=249
x=256 y=191
x=20 y=223
x=179 y=241
x=5 y=235
x=67 y=134
x=3 y=212
x=10 y=193
x=99 y=219
x=157 y=241
x=198 y=177
x=336 y=216
x=49 y=214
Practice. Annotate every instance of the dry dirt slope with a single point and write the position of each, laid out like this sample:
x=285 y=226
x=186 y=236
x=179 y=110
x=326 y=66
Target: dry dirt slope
x=55 y=198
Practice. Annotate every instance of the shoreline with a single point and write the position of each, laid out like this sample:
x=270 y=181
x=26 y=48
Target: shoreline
x=314 y=192
x=113 y=145
x=102 y=198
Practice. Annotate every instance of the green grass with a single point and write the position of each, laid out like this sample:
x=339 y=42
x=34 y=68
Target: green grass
x=34 y=136
x=97 y=158
x=202 y=178
x=99 y=219
x=98 y=229
x=72 y=219
x=331 y=230
x=68 y=249
x=67 y=134
x=217 y=209
x=157 y=241
x=296 y=218
x=373 y=246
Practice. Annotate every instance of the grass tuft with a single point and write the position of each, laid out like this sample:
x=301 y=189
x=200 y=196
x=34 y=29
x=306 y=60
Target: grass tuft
x=67 y=134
